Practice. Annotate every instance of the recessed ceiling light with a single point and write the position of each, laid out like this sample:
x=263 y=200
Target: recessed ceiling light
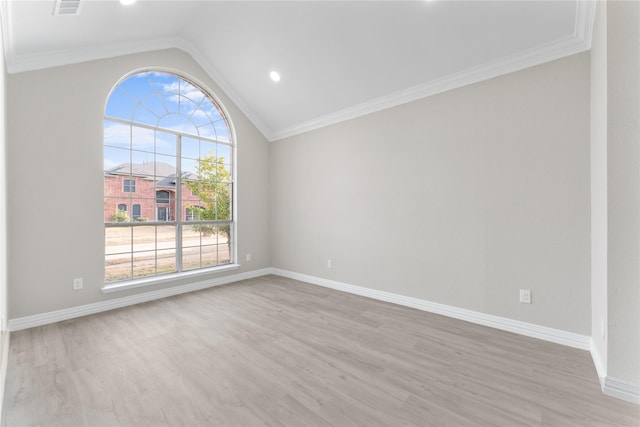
x=274 y=76
x=127 y=2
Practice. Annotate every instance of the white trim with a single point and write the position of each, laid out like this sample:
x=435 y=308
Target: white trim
x=528 y=329
x=622 y=389
x=578 y=42
x=556 y=50
x=40 y=61
x=601 y=368
x=83 y=310
x=585 y=19
x=156 y=280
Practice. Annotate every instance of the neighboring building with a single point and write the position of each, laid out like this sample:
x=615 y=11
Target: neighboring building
x=146 y=192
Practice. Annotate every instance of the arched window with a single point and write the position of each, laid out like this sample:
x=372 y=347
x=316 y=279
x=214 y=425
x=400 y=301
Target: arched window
x=167 y=148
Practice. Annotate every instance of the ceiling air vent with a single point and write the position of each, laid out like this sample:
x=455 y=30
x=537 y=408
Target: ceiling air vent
x=66 y=7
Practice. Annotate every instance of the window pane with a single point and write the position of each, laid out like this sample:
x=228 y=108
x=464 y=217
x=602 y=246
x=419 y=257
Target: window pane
x=142 y=209
x=144 y=238
x=142 y=139
x=191 y=92
x=145 y=116
x=144 y=263
x=138 y=86
x=141 y=162
x=166 y=261
x=154 y=104
x=224 y=152
x=117 y=160
x=207 y=149
x=192 y=235
x=117 y=240
x=165 y=165
x=117 y=134
x=141 y=180
x=117 y=267
x=170 y=100
x=221 y=130
x=165 y=143
x=189 y=166
x=207 y=131
x=113 y=209
x=191 y=258
x=166 y=237
x=209 y=256
x=190 y=147
x=120 y=104
x=187 y=106
x=178 y=123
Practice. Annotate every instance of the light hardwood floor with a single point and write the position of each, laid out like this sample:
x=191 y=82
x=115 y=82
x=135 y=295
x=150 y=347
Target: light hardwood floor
x=274 y=351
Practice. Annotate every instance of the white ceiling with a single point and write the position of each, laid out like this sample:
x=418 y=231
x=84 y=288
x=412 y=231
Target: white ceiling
x=337 y=59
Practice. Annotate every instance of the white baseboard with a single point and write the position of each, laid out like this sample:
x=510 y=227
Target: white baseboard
x=83 y=310
x=621 y=389
x=528 y=329
x=598 y=362
x=611 y=386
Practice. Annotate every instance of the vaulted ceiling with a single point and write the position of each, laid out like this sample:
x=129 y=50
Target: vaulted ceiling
x=337 y=59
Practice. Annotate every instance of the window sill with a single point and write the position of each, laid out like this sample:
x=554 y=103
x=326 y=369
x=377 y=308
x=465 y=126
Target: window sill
x=156 y=280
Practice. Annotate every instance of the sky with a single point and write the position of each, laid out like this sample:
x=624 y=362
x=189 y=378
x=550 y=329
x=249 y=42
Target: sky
x=166 y=101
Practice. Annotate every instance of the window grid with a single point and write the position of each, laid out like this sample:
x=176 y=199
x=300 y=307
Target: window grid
x=129 y=186
x=198 y=247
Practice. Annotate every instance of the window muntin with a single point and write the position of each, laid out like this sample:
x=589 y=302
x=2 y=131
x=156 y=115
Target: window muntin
x=172 y=144
x=129 y=186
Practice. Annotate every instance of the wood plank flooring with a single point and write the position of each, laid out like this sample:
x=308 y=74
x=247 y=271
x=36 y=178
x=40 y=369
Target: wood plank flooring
x=276 y=352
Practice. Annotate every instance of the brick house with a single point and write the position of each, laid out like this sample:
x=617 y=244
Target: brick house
x=145 y=192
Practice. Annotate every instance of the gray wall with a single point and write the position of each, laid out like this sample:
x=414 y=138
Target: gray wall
x=55 y=180
x=462 y=198
x=623 y=141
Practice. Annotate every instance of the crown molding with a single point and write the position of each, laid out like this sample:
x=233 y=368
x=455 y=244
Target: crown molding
x=578 y=42
x=19 y=64
x=530 y=58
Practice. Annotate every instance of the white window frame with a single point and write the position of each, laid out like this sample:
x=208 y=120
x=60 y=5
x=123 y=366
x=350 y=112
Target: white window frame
x=232 y=222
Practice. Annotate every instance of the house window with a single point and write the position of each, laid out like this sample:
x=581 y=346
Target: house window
x=135 y=212
x=162 y=197
x=175 y=139
x=129 y=186
x=122 y=207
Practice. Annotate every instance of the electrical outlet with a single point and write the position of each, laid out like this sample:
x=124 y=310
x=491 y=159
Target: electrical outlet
x=329 y=263
x=248 y=257
x=77 y=283
x=525 y=296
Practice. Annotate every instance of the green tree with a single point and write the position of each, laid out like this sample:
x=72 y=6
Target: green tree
x=213 y=188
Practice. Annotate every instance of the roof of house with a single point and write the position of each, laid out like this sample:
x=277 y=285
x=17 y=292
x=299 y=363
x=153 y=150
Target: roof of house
x=147 y=169
x=163 y=173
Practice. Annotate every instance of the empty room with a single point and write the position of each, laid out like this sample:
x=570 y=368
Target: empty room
x=320 y=213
